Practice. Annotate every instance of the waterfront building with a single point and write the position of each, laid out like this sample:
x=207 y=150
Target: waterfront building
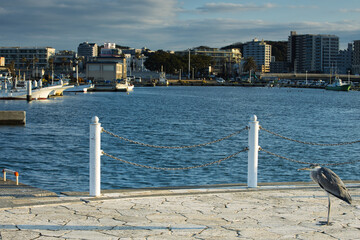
x=345 y=60
x=223 y=59
x=63 y=62
x=110 y=50
x=106 y=69
x=356 y=58
x=313 y=53
x=261 y=52
x=27 y=58
x=87 y=50
x=134 y=60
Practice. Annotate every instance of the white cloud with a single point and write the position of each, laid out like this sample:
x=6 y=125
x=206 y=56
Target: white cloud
x=157 y=24
x=354 y=10
x=233 y=7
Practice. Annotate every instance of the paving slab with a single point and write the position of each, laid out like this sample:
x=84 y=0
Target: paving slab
x=271 y=211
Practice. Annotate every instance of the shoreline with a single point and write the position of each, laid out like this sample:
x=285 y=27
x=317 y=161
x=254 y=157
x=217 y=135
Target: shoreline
x=230 y=84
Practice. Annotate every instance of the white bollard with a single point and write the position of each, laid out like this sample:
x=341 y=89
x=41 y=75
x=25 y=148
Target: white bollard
x=95 y=156
x=253 y=152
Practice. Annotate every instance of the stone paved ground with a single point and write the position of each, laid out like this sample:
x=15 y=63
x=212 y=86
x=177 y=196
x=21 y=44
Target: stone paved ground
x=272 y=213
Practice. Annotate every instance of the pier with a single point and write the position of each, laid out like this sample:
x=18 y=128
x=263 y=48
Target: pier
x=271 y=211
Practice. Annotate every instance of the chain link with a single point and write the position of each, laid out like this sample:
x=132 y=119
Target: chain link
x=175 y=169
x=309 y=143
x=301 y=162
x=173 y=147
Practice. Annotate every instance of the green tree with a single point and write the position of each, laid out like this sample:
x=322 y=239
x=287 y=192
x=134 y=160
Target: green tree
x=158 y=59
x=172 y=63
x=250 y=64
x=11 y=68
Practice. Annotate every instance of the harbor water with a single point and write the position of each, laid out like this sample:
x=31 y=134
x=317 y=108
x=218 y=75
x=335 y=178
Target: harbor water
x=52 y=150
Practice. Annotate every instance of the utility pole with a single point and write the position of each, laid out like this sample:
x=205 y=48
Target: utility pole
x=189 y=65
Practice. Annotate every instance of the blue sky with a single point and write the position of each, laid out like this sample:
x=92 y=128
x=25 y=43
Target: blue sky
x=172 y=24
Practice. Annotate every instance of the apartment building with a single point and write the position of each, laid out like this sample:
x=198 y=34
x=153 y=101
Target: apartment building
x=356 y=57
x=261 y=52
x=345 y=60
x=313 y=53
x=87 y=50
x=27 y=57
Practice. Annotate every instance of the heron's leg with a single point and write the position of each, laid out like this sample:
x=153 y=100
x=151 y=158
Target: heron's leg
x=328 y=218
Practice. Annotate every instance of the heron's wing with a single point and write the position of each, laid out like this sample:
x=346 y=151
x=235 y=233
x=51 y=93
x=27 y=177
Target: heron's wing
x=332 y=184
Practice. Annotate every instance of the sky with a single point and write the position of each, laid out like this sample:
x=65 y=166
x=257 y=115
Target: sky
x=171 y=24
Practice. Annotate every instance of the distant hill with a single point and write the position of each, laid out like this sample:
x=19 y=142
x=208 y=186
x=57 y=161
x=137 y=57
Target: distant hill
x=279 y=48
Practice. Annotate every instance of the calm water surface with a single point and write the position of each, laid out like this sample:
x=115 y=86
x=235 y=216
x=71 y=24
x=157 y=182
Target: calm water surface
x=52 y=150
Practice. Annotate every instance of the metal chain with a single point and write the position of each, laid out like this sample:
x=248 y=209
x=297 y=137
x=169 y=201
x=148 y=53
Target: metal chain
x=173 y=147
x=310 y=143
x=301 y=162
x=175 y=169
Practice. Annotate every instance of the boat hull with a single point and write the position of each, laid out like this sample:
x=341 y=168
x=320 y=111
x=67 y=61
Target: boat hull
x=80 y=88
x=120 y=87
x=338 y=88
x=36 y=94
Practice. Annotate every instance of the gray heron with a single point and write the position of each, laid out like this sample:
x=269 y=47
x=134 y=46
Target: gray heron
x=330 y=182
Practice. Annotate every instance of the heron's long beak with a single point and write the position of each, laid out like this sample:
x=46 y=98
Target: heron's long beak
x=306 y=168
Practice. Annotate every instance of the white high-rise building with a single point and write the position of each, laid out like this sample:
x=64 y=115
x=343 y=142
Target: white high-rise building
x=261 y=52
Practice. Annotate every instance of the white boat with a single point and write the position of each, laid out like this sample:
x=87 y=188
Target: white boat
x=118 y=85
x=124 y=86
x=80 y=88
x=59 y=91
x=21 y=94
x=162 y=79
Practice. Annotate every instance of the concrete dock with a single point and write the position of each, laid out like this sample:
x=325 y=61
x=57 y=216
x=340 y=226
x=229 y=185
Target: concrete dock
x=271 y=211
x=12 y=117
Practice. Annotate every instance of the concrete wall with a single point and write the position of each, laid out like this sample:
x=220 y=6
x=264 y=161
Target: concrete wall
x=12 y=117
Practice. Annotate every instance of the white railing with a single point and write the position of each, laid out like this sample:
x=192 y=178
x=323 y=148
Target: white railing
x=95 y=154
x=16 y=174
x=253 y=149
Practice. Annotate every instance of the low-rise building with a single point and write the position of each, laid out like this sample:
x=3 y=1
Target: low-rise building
x=27 y=58
x=106 y=70
x=110 y=50
x=63 y=62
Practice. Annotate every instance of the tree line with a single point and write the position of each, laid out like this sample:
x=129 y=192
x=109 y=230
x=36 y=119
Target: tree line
x=174 y=63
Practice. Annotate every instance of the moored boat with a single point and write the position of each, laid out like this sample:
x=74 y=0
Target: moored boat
x=80 y=88
x=118 y=85
x=338 y=85
x=59 y=91
x=124 y=86
x=21 y=94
